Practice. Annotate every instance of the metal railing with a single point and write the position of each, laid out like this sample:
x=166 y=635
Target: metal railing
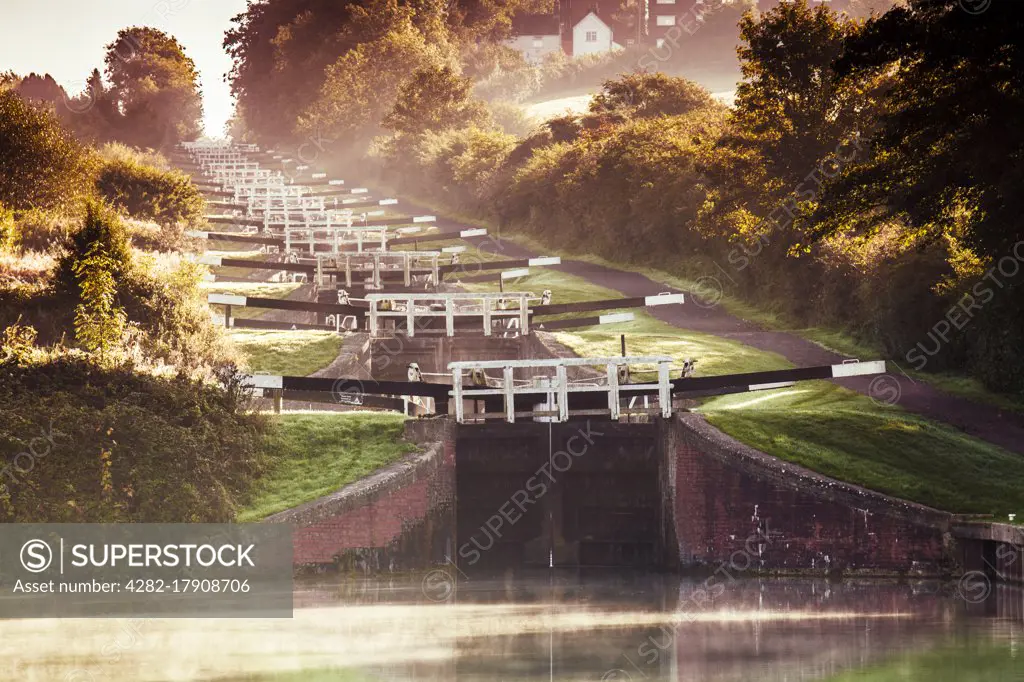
x=371 y=265
x=556 y=386
x=488 y=307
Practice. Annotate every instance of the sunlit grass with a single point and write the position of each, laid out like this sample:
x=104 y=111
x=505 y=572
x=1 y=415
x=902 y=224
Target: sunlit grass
x=314 y=455
x=650 y=336
x=290 y=353
x=847 y=436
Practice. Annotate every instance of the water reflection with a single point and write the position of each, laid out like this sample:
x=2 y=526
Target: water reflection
x=552 y=627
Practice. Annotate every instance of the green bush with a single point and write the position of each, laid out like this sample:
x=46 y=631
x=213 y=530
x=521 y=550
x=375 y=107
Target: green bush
x=511 y=118
x=170 y=311
x=101 y=229
x=457 y=166
x=41 y=163
x=627 y=192
x=146 y=192
x=43 y=231
x=88 y=443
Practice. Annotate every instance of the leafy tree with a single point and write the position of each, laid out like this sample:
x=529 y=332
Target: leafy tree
x=41 y=89
x=101 y=235
x=491 y=20
x=279 y=50
x=644 y=95
x=93 y=114
x=98 y=259
x=99 y=320
x=789 y=107
x=291 y=57
x=791 y=116
x=435 y=99
x=950 y=142
x=41 y=163
x=8 y=79
x=156 y=87
x=361 y=87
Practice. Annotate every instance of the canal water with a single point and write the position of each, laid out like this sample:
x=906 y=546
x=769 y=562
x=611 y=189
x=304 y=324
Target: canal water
x=556 y=626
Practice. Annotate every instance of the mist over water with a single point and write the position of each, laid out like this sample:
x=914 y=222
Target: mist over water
x=551 y=627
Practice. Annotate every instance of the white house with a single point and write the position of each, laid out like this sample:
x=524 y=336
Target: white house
x=536 y=36
x=592 y=35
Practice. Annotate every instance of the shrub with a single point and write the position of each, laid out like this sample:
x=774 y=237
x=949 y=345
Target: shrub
x=45 y=231
x=111 y=444
x=456 y=165
x=41 y=163
x=168 y=306
x=511 y=118
x=116 y=151
x=101 y=231
x=150 y=193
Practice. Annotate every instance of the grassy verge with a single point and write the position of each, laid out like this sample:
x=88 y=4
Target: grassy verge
x=847 y=436
x=649 y=336
x=313 y=455
x=290 y=353
x=818 y=425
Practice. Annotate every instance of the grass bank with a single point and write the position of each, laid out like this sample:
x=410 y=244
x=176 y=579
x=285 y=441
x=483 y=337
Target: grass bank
x=847 y=436
x=290 y=353
x=313 y=455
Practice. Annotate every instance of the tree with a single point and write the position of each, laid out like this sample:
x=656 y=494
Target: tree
x=361 y=86
x=99 y=258
x=41 y=163
x=102 y=227
x=279 y=51
x=436 y=98
x=155 y=86
x=789 y=106
x=41 y=89
x=650 y=95
x=947 y=154
x=791 y=116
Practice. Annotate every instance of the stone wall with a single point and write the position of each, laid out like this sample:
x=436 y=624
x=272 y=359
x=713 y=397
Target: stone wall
x=731 y=503
x=398 y=518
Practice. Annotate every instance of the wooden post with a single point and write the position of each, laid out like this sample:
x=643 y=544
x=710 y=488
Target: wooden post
x=278 y=401
x=227 y=316
x=622 y=338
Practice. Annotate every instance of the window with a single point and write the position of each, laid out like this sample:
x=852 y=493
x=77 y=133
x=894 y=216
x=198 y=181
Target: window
x=666 y=20
x=538 y=41
x=591 y=36
x=666 y=2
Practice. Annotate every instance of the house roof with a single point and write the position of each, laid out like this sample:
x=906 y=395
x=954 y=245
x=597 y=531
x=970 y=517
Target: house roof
x=535 y=24
x=596 y=16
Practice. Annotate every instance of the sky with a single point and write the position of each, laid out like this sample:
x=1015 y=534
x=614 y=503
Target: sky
x=66 y=39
